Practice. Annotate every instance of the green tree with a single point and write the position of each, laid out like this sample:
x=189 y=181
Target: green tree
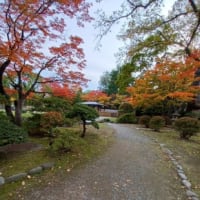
x=107 y=82
x=125 y=77
x=51 y=103
x=150 y=31
x=85 y=113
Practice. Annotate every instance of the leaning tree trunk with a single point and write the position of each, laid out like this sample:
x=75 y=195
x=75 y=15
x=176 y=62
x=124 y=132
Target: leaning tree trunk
x=84 y=129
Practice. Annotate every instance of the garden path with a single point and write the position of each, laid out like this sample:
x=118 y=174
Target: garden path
x=133 y=168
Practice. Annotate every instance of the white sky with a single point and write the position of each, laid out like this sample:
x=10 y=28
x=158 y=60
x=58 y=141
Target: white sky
x=99 y=61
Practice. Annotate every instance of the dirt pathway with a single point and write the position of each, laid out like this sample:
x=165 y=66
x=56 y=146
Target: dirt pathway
x=134 y=168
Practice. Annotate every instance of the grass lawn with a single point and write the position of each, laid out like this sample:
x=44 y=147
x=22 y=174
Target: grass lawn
x=95 y=143
x=186 y=152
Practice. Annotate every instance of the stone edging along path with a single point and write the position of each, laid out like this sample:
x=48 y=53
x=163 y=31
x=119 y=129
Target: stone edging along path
x=23 y=175
x=184 y=180
x=179 y=169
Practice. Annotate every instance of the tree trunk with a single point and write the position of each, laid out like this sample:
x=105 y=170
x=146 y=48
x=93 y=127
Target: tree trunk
x=18 y=111
x=8 y=107
x=84 y=129
x=9 y=113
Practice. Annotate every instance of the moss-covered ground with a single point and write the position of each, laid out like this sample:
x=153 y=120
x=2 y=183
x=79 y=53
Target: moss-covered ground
x=95 y=143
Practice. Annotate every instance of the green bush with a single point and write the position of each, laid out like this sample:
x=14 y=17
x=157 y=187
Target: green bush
x=128 y=118
x=144 y=120
x=40 y=124
x=187 y=127
x=107 y=120
x=69 y=122
x=168 y=120
x=50 y=120
x=156 y=123
x=65 y=140
x=194 y=114
x=32 y=124
x=125 y=108
x=10 y=133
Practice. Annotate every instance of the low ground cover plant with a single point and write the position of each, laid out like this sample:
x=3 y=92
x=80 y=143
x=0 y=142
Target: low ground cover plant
x=10 y=133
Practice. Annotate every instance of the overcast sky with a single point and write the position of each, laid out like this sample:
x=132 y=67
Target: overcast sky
x=103 y=59
x=99 y=61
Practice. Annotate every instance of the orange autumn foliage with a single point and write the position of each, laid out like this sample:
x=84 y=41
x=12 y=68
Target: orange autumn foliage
x=167 y=80
x=96 y=95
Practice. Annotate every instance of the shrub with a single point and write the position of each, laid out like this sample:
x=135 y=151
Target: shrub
x=50 y=120
x=156 y=123
x=69 y=122
x=3 y=116
x=10 y=133
x=128 y=118
x=32 y=124
x=40 y=124
x=144 y=120
x=65 y=140
x=125 y=108
x=194 y=114
x=168 y=120
x=187 y=127
x=106 y=120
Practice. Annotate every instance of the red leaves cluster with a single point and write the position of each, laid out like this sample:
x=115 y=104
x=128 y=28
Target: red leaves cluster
x=61 y=90
x=95 y=95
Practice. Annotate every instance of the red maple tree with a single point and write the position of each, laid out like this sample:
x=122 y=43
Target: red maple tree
x=35 y=49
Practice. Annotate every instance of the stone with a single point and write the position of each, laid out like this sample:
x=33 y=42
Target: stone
x=180 y=171
x=48 y=165
x=15 y=177
x=172 y=159
x=179 y=167
x=191 y=194
x=35 y=170
x=175 y=162
x=162 y=145
x=2 y=180
x=183 y=176
x=167 y=151
x=187 y=184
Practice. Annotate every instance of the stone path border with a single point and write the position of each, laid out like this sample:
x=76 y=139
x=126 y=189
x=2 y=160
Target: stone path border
x=23 y=175
x=184 y=180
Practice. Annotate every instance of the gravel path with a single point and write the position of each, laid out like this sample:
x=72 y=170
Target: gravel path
x=133 y=168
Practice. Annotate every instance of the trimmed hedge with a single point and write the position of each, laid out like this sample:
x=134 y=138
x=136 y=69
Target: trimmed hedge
x=156 y=123
x=144 y=120
x=187 y=127
x=128 y=118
